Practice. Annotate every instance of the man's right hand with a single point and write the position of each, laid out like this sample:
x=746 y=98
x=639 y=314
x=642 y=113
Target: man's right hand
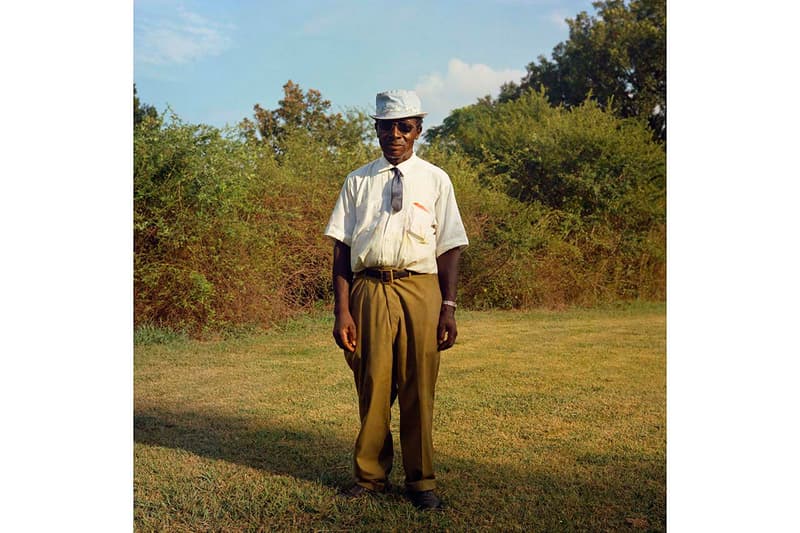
x=344 y=328
x=344 y=332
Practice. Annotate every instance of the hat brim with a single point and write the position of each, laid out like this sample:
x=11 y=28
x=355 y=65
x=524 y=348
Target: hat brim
x=393 y=116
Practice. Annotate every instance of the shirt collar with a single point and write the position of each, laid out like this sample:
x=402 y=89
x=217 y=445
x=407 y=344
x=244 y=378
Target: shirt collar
x=384 y=165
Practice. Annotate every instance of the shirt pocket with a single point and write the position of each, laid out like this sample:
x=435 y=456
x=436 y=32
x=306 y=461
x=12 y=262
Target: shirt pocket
x=421 y=224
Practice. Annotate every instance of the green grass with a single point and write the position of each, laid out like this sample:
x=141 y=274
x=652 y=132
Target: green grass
x=544 y=421
x=152 y=334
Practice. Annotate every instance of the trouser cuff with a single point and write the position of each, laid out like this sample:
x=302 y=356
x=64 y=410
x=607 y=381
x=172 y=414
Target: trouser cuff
x=423 y=485
x=377 y=486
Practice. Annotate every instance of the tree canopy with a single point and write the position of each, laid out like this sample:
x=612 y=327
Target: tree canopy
x=617 y=57
x=307 y=115
x=140 y=110
x=581 y=160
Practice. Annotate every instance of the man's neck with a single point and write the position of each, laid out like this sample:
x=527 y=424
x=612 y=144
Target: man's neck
x=399 y=160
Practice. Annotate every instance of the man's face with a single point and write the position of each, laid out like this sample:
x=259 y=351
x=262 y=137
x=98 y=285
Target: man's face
x=397 y=137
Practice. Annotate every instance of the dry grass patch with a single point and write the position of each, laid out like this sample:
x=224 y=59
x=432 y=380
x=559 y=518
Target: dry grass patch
x=545 y=421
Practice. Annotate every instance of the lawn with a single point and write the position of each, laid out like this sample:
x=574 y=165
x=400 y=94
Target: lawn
x=544 y=421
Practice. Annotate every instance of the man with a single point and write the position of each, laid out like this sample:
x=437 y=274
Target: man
x=398 y=237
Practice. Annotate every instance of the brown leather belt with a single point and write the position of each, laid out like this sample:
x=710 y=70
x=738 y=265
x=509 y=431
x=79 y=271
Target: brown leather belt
x=387 y=275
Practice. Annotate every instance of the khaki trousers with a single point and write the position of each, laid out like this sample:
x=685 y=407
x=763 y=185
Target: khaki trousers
x=396 y=356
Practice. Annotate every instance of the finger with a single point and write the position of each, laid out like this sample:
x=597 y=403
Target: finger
x=450 y=339
x=350 y=335
x=341 y=340
x=444 y=342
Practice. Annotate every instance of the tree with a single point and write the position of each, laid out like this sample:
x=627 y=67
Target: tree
x=590 y=185
x=617 y=58
x=140 y=111
x=582 y=160
x=304 y=114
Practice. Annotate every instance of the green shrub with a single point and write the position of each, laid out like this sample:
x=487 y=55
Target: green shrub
x=561 y=208
x=584 y=161
x=201 y=258
x=224 y=235
x=589 y=222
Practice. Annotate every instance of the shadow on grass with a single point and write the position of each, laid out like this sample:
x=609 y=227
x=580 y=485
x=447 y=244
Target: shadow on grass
x=312 y=456
x=595 y=493
x=628 y=494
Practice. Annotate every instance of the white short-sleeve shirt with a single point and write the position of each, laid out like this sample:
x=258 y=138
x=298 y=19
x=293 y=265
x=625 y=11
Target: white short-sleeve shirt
x=427 y=226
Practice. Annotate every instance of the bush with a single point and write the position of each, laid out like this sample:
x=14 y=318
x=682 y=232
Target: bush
x=201 y=259
x=225 y=236
x=588 y=225
x=561 y=208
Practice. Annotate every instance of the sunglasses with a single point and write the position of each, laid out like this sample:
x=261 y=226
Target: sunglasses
x=385 y=126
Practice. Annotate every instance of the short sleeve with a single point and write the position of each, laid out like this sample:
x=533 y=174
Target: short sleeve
x=343 y=219
x=450 y=232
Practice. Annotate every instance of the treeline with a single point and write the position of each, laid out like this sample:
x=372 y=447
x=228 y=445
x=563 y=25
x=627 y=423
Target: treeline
x=564 y=205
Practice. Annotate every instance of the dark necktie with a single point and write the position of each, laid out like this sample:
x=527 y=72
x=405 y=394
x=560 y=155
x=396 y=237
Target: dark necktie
x=397 y=190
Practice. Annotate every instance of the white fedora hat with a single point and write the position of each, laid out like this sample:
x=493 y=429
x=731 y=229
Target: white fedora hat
x=398 y=103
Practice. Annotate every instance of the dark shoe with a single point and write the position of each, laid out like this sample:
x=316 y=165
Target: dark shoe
x=356 y=491
x=425 y=500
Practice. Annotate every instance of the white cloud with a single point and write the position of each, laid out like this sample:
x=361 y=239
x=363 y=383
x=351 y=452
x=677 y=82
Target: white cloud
x=462 y=85
x=184 y=38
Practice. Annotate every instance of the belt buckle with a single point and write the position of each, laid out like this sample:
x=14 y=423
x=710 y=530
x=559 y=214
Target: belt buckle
x=387 y=279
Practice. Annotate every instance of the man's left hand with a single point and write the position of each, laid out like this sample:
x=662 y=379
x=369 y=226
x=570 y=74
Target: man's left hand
x=447 y=331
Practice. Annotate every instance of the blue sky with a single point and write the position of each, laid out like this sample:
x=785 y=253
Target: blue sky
x=211 y=61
